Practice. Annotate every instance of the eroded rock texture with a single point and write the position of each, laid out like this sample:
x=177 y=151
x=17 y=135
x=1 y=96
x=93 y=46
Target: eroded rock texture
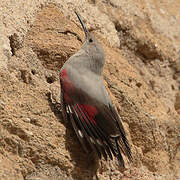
x=142 y=73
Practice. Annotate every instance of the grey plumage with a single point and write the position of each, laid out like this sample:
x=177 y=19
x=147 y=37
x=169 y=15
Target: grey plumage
x=87 y=105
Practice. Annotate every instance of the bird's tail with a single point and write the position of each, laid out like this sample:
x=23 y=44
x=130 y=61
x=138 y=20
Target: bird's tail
x=121 y=146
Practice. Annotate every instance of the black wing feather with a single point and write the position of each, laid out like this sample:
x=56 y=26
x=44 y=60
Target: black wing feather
x=79 y=122
x=73 y=120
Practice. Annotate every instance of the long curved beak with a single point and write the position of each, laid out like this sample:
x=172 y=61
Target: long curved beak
x=82 y=24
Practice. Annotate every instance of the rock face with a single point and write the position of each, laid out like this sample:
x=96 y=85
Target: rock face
x=142 y=74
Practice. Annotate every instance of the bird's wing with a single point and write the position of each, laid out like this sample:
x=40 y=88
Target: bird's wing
x=96 y=124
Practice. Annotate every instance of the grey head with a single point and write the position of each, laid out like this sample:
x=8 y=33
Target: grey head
x=93 y=50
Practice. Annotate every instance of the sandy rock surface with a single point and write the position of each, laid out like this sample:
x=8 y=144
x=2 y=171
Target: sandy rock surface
x=141 y=40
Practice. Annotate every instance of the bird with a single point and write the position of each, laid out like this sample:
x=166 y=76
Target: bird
x=86 y=103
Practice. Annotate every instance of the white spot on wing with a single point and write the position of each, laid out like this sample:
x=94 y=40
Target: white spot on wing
x=80 y=133
x=99 y=142
x=70 y=110
x=92 y=140
x=67 y=110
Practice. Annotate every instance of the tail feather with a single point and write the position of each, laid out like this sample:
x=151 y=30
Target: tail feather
x=122 y=138
x=118 y=155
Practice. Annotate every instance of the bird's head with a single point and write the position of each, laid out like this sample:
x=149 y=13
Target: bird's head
x=92 y=47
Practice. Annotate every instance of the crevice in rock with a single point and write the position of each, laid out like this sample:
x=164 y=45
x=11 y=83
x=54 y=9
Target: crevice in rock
x=26 y=76
x=50 y=59
x=148 y=51
x=50 y=79
x=15 y=43
x=12 y=45
x=33 y=71
x=69 y=32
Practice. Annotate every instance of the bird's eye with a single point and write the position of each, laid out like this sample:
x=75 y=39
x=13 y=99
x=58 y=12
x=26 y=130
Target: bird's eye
x=90 y=40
